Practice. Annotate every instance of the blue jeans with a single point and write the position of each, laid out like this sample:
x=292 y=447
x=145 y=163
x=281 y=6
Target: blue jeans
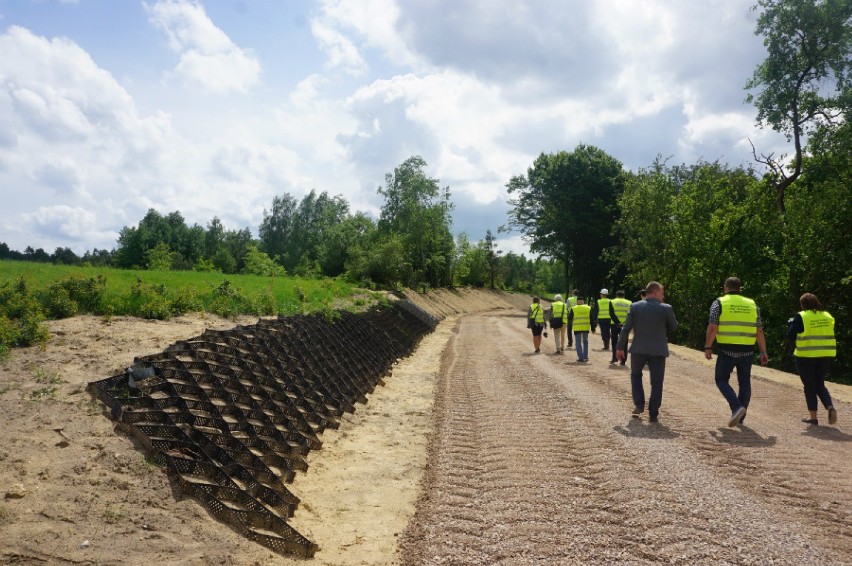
x=724 y=366
x=581 y=342
x=657 y=369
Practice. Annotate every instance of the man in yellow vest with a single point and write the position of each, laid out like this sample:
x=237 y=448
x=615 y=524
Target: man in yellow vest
x=580 y=318
x=558 y=322
x=736 y=326
x=572 y=302
x=618 y=309
x=600 y=313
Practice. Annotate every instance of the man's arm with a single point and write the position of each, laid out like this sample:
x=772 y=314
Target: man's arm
x=671 y=321
x=761 y=342
x=712 y=329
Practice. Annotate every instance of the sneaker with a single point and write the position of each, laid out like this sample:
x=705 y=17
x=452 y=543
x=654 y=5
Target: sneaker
x=832 y=415
x=737 y=416
x=585 y=359
x=810 y=421
x=613 y=361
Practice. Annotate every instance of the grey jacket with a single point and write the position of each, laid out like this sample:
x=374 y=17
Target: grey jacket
x=651 y=321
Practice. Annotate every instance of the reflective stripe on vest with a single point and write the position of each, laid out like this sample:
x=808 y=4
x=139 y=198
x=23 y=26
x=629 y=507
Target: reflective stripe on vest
x=621 y=308
x=572 y=301
x=582 y=318
x=737 y=321
x=562 y=312
x=603 y=309
x=817 y=341
x=537 y=313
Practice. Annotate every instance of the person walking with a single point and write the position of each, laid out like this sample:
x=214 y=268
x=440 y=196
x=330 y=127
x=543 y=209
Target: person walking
x=816 y=345
x=535 y=322
x=618 y=309
x=651 y=321
x=736 y=326
x=558 y=322
x=572 y=302
x=600 y=313
x=580 y=318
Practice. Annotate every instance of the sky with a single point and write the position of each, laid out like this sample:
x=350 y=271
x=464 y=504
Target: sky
x=109 y=108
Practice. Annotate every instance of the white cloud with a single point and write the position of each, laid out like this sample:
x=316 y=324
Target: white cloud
x=208 y=58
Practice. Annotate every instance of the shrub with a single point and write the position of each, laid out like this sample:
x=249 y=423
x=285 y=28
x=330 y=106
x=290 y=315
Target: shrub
x=58 y=302
x=148 y=301
x=264 y=303
x=187 y=300
x=228 y=301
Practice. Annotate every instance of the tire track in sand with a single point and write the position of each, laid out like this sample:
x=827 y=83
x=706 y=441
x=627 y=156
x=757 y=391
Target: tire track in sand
x=533 y=461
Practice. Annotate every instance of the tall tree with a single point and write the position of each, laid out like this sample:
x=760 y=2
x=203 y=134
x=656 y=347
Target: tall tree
x=565 y=207
x=804 y=82
x=418 y=210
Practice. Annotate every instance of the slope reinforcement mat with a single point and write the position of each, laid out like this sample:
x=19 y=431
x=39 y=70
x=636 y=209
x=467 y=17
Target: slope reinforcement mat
x=232 y=414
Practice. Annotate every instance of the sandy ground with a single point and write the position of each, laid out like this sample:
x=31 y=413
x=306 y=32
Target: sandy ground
x=474 y=452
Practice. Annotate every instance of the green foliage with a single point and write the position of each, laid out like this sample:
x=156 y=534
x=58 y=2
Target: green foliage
x=159 y=258
x=21 y=316
x=565 y=206
x=147 y=300
x=258 y=263
x=228 y=301
x=415 y=219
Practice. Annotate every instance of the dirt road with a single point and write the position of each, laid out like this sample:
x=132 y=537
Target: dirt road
x=535 y=459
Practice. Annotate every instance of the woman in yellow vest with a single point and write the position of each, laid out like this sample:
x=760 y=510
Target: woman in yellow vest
x=535 y=321
x=580 y=317
x=816 y=345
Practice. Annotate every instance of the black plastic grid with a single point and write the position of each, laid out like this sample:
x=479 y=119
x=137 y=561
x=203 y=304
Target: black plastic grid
x=232 y=414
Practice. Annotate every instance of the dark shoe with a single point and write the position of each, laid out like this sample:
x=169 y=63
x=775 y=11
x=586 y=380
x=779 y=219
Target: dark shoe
x=536 y=351
x=606 y=347
x=737 y=416
x=623 y=363
x=809 y=421
x=832 y=415
x=653 y=420
x=585 y=359
x=637 y=410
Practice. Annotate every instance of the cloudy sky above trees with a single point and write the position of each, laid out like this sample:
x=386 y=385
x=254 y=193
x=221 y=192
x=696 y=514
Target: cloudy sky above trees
x=111 y=107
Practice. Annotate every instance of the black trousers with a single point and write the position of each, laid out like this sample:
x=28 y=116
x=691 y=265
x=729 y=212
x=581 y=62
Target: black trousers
x=657 y=369
x=604 y=325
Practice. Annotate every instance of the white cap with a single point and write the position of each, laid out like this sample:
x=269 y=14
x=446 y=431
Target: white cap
x=557 y=297
x=604 y=292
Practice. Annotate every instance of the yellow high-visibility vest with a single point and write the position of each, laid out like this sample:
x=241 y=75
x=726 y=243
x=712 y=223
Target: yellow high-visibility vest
x=559 y=311
x=737 y=321
x=817 y=341
x=621 y=307
x=572 y=301
x=582 y=318
x=603 y=309
x=537 y=313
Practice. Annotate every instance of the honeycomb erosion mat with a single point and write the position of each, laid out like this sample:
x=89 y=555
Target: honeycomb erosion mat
x=232 y=414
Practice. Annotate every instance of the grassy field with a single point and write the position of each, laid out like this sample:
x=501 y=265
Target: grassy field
x=286 y=295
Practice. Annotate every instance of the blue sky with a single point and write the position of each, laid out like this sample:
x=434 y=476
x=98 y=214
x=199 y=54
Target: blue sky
x=111 y=107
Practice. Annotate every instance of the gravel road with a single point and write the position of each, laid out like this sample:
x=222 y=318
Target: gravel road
x=535 y=459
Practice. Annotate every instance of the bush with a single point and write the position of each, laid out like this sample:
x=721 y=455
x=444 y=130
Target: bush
x=228 y=301
x=186 y=301
x=264 y=303
x=58 y=302
x=148 y=301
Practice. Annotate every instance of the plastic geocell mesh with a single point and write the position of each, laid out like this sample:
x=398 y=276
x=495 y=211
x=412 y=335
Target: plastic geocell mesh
x=231 y=414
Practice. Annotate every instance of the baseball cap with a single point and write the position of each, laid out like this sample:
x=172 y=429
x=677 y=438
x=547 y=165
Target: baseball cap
x=604 y=292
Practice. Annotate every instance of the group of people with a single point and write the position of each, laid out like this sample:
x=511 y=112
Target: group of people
x=734 y=325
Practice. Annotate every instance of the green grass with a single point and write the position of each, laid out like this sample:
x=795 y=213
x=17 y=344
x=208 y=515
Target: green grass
x=292 y=295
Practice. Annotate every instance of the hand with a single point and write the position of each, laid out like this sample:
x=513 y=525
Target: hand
x=764 y=358
x=708 y=353
x=619 y=355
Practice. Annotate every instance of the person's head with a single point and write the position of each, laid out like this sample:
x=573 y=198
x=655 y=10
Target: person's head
x=604 y=292
x=557 y=297
x=810 y=302
x=580 y=299
x=733 y=285
x=536 y=300
x=619 y=294
x=654 y=290
x=642 y=294
x=575 y=292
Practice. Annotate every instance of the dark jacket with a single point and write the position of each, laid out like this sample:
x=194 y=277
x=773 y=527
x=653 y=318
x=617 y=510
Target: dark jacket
x=651 y=322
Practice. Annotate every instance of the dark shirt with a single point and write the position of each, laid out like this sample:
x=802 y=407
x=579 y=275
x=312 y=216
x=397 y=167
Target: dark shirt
x=797 y=326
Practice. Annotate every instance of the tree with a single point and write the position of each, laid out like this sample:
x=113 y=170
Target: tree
x=492 y=255
x=418 y=211
x=565 y=207
x=809 y=44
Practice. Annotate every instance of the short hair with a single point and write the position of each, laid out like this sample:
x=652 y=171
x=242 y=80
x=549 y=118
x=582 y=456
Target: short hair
x=810 y=302
x=557 y=297
x=580 y=298
x=535 y=299
x=576 y=292
x=642 y=292
x=733 y=283
x=653 y=287
x=619 y=293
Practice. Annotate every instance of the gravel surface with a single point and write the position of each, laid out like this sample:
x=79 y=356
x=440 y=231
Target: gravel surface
x=535 y=459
